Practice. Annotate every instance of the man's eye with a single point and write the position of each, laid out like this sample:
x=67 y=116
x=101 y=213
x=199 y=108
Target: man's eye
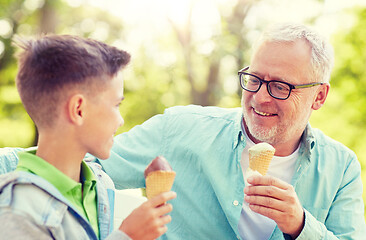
x=253 y=80
x=280 y=87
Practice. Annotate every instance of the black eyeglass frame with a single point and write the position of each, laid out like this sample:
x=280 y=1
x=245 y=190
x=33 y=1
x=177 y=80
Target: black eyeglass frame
x=291 y=86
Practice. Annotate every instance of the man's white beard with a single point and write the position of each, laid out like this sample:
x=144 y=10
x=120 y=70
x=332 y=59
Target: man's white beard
x=262 y=134
x=271 y=135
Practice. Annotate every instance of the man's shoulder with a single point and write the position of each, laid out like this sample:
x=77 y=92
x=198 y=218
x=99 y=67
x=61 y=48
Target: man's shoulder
x=9 y=158
x=333 y=149
x=210 y=111
x=326 y=141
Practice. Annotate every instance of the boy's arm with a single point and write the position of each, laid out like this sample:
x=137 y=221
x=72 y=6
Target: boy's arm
x=19 y=227
x=118 y=235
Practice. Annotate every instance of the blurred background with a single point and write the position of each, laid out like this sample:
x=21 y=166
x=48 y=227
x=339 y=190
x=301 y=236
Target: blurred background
x=189 y=52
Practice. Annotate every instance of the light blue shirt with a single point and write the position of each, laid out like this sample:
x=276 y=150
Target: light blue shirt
x=204 y=146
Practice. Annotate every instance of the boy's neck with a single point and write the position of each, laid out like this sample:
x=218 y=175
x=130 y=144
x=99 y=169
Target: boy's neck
x=62 y=153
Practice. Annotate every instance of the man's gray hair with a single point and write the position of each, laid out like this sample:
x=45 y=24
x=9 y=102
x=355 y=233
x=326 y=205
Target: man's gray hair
x=322 y=55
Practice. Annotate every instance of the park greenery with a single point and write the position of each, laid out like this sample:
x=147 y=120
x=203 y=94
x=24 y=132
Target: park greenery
x=179 y=68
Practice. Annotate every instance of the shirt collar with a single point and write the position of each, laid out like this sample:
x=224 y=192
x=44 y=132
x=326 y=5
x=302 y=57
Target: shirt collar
x=307 y=141
x=87 y=174
x=307 y=138
x=238 y=136
x=30 y=162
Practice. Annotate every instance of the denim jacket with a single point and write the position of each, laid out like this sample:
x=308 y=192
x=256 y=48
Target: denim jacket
x=41 y=205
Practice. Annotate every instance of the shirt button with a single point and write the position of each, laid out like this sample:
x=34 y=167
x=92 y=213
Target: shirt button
x=235 y=203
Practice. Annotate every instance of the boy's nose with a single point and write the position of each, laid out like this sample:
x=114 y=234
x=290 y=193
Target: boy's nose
x=121 y=122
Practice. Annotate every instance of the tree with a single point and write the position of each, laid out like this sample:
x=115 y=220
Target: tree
x=344 y=115
x=34 y=18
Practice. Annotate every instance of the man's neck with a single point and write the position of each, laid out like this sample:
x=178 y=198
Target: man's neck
x=61 y=152
x=282 y=148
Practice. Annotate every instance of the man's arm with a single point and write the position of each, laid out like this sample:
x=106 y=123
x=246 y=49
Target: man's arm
x=133 y=151
x=277 y=200
x=345 y=219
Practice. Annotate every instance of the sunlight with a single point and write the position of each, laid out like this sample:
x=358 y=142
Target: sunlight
x=6 y=28
x=147 y=20
x=2 y=48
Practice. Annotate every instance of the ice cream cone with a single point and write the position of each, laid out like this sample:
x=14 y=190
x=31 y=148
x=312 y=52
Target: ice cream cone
x=260 y=156
x=158 y=182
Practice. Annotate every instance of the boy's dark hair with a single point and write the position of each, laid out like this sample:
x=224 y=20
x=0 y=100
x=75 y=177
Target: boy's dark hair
x=52 y=64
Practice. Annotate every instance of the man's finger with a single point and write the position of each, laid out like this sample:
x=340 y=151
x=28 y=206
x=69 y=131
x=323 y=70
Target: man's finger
x=268 y=212
x=267 y=181
x=269 y=191
x=267 y=202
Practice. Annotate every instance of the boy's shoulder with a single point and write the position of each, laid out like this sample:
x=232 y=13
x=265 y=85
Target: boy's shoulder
x=30 y=195
x=102 y=178
x=12 y=182
x=31 y=198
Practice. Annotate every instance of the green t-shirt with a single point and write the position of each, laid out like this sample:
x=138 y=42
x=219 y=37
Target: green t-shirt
x=83 y=196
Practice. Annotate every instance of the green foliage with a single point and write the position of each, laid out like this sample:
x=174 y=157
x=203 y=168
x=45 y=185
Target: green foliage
x=343 y=117
x=50 y=16
x=177 y=69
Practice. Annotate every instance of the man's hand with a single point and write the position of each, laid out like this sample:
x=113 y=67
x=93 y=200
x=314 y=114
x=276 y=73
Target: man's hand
x=277 y=200
x=148 y=221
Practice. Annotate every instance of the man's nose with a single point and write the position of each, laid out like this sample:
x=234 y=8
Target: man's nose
x=262 y=95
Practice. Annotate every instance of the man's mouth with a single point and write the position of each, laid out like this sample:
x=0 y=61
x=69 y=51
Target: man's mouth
x=263 y=113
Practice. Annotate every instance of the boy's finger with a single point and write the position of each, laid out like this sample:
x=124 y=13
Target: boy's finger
x=165 y=219
x=164 y=209
x=162 y=198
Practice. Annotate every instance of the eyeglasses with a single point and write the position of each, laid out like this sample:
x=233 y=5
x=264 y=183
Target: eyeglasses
x=276 y=89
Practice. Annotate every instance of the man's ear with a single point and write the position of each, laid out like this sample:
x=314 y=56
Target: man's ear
x=321 y=96
x=76 y=109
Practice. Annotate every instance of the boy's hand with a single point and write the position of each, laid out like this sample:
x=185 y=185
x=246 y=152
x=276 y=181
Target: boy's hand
x=148 y=221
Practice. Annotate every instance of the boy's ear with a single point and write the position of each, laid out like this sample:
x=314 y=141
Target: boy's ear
x=321 y=96
x=76 y=108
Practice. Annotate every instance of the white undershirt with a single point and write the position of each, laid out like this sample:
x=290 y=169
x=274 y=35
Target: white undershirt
x=253 y=225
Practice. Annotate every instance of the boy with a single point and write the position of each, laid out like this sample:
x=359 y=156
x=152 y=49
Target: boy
x=71 y=88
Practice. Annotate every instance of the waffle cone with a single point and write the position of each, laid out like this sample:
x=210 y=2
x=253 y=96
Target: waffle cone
x=259 y=159
x=158 y=182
